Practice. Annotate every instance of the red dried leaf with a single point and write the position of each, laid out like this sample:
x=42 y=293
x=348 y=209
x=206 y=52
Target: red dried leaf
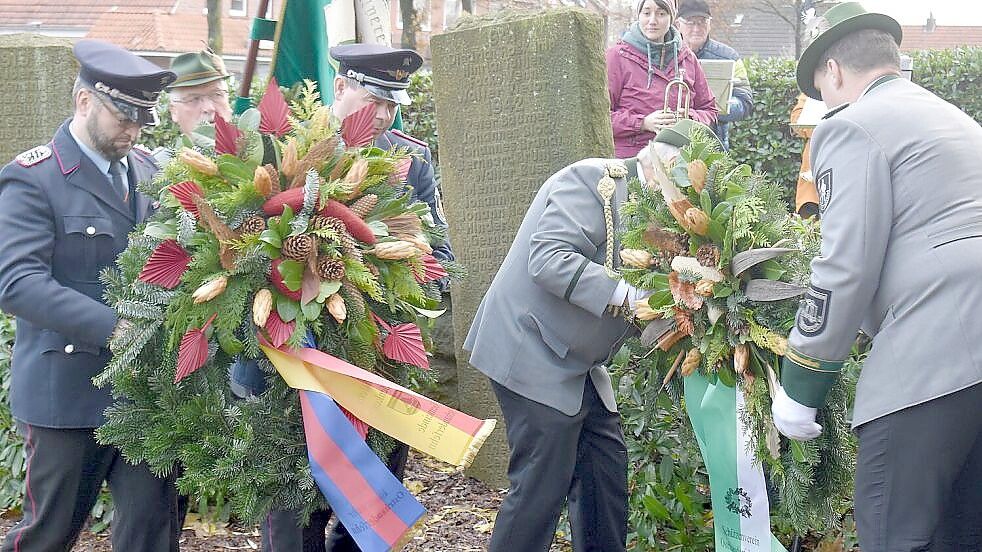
x=432 y=270
x=358 y=128
x=684 y=292
x=278 y=330
x=360 y=426
x=226 y=136
x=405 y=344
x=355 y=225
x=166 y=265
x=185 y=192
x=310 y=285
x=401 y=171
x=277 y=280
x=273 y=111
x=193 y=351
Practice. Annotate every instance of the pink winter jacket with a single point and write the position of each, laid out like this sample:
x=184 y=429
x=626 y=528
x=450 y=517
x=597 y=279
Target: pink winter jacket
x=631 y=101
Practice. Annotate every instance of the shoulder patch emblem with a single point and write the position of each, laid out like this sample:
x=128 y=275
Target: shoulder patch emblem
x=33 y=156
x=813 y=311
x=824 y=188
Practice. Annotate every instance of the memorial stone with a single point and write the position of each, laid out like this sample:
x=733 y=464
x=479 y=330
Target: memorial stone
x=518 y=97
x=36 y=90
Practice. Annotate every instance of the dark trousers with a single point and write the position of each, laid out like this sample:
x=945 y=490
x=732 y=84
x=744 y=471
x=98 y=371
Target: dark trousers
x=919 y=477
x=65 y=471
x=555 y=459
x=282 y=532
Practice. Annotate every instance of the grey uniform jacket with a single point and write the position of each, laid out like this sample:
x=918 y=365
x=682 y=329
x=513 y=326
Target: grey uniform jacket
x=62 y=224
x=900 y=185
x=541 y=327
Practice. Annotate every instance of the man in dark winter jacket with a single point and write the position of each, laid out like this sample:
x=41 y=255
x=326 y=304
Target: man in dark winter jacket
x=694 y=21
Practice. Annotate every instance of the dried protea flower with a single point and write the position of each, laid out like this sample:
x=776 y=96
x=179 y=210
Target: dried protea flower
x=741 y=358
x=335 y=306
x=252 y=225
x=691 y=362
x=404 y=224
x=394 y=250
x=299 y=247
x=697 y=174
x=262 y=182
x=696 y=221
x=289 y=163
x=417 y=241
x=209 y=290
x=636 y=258
x=274 y=177
x=705 y=288
x=198 y=162
x=329 y=269
x=643 y=311
x=262 y=305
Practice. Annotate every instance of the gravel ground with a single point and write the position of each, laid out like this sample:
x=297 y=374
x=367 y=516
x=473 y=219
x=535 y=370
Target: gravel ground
x=461 y=515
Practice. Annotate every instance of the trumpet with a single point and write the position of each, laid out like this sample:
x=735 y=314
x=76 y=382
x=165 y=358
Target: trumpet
x=683 y=96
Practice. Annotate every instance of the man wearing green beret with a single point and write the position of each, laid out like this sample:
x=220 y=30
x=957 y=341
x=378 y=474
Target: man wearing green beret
x=900 y=195
x=200 y=91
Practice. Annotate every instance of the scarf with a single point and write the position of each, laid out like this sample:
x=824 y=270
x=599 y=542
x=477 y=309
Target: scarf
x=658 y=54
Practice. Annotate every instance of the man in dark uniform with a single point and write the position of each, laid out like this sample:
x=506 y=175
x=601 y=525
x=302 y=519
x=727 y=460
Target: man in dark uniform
x=66 y=208
x=378 y=75
x=901 y=204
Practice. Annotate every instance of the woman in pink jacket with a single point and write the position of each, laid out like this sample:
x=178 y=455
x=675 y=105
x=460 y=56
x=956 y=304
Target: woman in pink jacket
x=639 y=67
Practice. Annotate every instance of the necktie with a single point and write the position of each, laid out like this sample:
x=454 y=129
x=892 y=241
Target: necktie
x=116 y=172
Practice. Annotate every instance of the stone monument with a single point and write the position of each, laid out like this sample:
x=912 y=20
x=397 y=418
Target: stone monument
x=36 y=92
x=518 y=97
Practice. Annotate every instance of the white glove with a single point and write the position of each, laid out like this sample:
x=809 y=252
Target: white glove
x=626 y=292
x=794 y=419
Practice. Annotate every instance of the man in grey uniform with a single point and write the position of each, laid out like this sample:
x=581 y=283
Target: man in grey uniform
x=900 y=193
x=542 y=334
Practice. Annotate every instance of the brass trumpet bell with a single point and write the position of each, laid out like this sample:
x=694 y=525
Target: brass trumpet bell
x=683 y=97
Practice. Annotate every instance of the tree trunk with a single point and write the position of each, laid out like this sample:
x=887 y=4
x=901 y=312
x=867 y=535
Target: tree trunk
x=467 y=6
x=410 y=23
x=215 y=26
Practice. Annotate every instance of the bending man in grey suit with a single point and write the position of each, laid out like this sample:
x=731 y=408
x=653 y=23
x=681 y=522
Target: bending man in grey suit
x=542 y=335
x=900 y=192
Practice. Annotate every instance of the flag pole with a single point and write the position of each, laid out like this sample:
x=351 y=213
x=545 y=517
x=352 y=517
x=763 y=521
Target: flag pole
x=242 y=102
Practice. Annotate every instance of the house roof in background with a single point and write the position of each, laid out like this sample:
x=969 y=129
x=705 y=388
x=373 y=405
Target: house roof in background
x=164 y=32
x=917 y=37
x=757 y=33
x=71 y=15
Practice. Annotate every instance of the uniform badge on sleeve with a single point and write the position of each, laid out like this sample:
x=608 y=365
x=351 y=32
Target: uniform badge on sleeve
x=33 y=156
x=824 y=187
x=813 y=311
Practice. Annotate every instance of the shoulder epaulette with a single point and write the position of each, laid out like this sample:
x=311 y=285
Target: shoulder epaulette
x=33 y=156
x=142 y=149
x=412 y=139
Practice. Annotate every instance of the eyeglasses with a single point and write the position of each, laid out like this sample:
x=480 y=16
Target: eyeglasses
x=217 y=96
x=121 y=118
x=696 y=22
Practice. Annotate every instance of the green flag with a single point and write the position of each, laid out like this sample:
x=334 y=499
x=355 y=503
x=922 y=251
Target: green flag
x=302 y=46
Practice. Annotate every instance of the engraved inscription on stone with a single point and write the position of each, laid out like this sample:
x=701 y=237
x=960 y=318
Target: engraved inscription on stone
x=36 y=91
x=517 y=99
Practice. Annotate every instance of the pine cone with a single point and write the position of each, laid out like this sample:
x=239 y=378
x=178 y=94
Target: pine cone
x=298 y=248
x=354 y=298
x=318 y=222
x=274 y=177
x=708 y=255
x=329 y=269
x=364 y=205
x=252 y=225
